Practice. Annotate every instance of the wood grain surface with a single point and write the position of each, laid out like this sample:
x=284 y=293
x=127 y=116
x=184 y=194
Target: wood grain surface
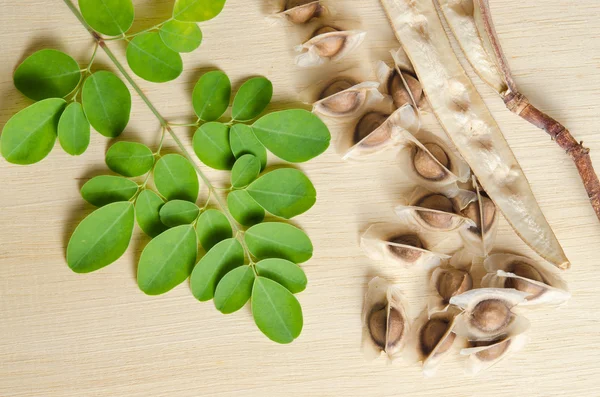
x=67 y=334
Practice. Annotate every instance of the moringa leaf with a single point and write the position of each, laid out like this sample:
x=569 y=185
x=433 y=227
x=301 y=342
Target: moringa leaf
x=243 y=141
x=28 y=136
x=211 y=145
x=251 y=99
x=212 y=227
x=234 y=289
x=147 y=208
x=245 y=170
x=197 y=10
x=150 y=58
x=284 y=192
x=47 y=74
x=167 y=260
x=129 y=158
x=109 y=17
x=211 y=95
x=278 y=240
x=293 y=135
x=178 y=212
x=74 y=130
x=276 y=312
x=106 y=102
x=244 y=209
x=286 y=273
x=101 y=238
x=218 y=261
x=181 y=36
x=175 y=178
x=106 y=189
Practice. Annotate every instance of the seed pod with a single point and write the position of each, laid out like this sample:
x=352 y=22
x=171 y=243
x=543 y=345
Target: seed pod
x=328 y=44
x=385 y=323
x=432 y=339
x=400 y=244
x=376 y=132
x=344 y=98
x=488 y=313
x=480 y=235
x=436 y=212
x=484 y=354
x=450 y=280
x=541 y=281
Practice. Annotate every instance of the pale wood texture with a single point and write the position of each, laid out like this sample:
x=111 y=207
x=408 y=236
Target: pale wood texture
x=63 y=334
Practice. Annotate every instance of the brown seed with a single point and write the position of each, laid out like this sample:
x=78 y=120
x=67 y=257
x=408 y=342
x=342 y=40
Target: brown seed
x=407 y=254
x=345 y=102
x=398 y=91
x=367 y=124
x=431 y=335
x=425 y=163
x=301 y=11
x=452 y=282
x=491 y=315
x=395 y=326
x=336 y=86
x=437 y=202
x=378 y=325
x=472 y=212
x=329 y=46
x=525 y=270
x=493 y=352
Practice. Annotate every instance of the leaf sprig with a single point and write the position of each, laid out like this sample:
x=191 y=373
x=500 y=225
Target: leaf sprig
x=246 y=258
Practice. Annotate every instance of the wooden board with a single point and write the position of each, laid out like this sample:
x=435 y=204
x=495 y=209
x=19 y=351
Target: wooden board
x=65 y=334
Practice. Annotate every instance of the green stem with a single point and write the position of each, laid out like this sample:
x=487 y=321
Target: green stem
x=156 y=113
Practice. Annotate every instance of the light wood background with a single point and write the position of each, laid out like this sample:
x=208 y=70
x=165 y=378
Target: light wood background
x=64 y=334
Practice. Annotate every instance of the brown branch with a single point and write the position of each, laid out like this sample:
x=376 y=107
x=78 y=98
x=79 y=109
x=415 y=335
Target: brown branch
x=520 y=105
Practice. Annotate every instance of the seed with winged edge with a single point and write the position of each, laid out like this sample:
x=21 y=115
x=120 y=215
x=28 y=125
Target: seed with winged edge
x=378 y=325
x=342 y=103
x=472 y=212
x=431 y=335
x=406 y=254
x=300 y=15
x=398 y=92
x=490 y=315
x=525 y=270
x=329 y=46
x=452 y=282
x=437 y=202
x=425 y=164
x=336 y=86
x=493 y=352
x=369 y=123
x=395 y=327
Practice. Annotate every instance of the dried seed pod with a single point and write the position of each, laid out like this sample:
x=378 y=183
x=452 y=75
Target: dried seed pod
x=433 y=211
x=400 y=244
x=484 y=354
x=479 y=237
x=450 y=280
x=488 y=313
x=328 y=44
x=385 y=323
x=343 y=98
x=541 y=281
x=432 y=338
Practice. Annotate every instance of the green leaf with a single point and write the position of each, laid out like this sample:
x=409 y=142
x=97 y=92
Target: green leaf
x=211 y=145
x=218 y=261
x=212 y=227
x=167 y=260
x=234 y=290
x=245 y=170
x=101 y=238
x=278 y=240
x=276 y=312
x=175 y=178
x=252 y=98
x=28 y=136
x=152 y=60
x=178 y=212
x=106 y=189
x=286 y=273
x=74 y=130
x=109 y=17
x=147 y=208
x=129 y=158
x=181 y=36
x=293 y=135
x=244 y=209
x=197 y=10
x=47 y=74
x=106 y=102
x=243 y=141
x=285 y=192
x=211 y=95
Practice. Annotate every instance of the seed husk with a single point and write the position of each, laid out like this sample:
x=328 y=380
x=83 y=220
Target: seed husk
x=378 y=325
x=438 y=202
x=302 y=11
x=407 y=254
x=452 y=282
x=493 y=352
x=491 y=315
x=369 y=123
